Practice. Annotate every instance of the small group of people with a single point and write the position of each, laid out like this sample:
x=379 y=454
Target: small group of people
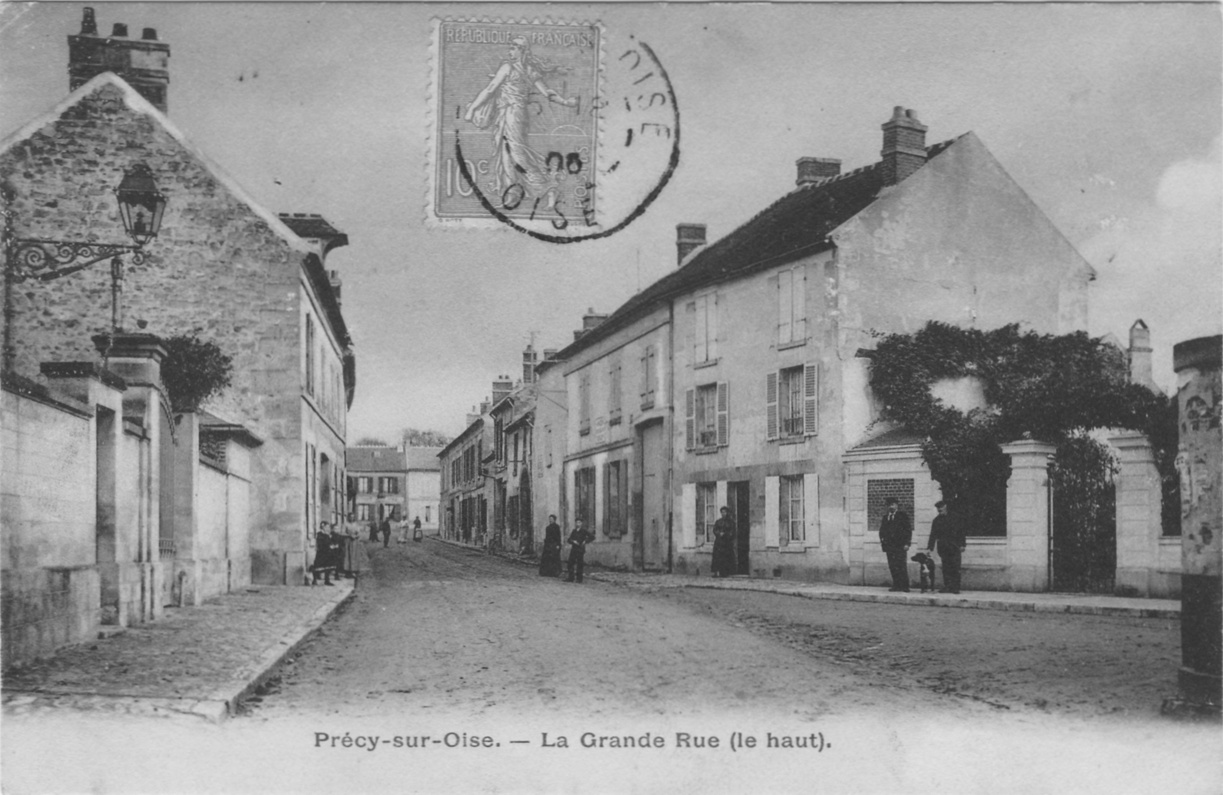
x=550 y=555
x=336 y=552
x=947 y=536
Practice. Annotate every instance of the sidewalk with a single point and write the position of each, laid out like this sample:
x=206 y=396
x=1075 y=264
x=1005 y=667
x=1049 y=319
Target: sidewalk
x=196 y=661
x=1089 y=604
x=1086 y=604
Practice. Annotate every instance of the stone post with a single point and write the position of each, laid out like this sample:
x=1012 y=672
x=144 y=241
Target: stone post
x=186 y=481
x=1027 y=515
x=137 y=359
x=1200 y=456
x=1139 y=524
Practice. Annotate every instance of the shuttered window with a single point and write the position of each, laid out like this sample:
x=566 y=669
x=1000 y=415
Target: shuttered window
x=792 y=402
x=706 y=334
x=707 y=420
x=791 y=306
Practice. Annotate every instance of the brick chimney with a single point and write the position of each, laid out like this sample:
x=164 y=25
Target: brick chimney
x=688 y=238
x=1140 y=355
x=529 y=359
x=904 y=146
x=815 y=169
x=502 y=388
x=143 y=62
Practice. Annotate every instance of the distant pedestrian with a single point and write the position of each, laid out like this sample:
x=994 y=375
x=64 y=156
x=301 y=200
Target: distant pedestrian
x=402 y=536
x=947 y=535
x=550 y=556
x=578 y=540
x=895 y=535
x=323 y=556
x=373 y=531
x=724 y=545
x=386 y=531
x=417 y=533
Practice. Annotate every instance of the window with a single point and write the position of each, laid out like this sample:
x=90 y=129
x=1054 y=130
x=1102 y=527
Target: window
x=791 y=306
x=584 y=403
x=706 y=349
x=790 y=509
x=613 y=394
x=428 y=509
x=584 y=487
x=548 y=442
x=792 y=396
x=708 y=416
x=388 y=485
x=365 y=485
x=363 y=513
x=706 y=511
x=615 y=498
x=309 y=355
x=649 y=377
x=499 y=440
x=515 y=454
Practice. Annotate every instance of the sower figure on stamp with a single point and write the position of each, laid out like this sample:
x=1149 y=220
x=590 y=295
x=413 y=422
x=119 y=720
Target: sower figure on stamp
x=509 y=92
x=577 y=551
x=947 y=532
x=895 y=535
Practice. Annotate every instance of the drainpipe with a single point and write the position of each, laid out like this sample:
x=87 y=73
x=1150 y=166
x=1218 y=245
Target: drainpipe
x=670 y=425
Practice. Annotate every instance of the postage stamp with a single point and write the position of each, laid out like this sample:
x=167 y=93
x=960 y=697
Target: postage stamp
x=532 y=130
x=518 y=100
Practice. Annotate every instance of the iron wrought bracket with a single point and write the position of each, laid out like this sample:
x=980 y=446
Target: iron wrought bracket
x=45 y=260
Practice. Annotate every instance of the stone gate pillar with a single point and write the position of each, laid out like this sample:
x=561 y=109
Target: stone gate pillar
x=1139 y=521
x=1200 y=456
x=1027 y=515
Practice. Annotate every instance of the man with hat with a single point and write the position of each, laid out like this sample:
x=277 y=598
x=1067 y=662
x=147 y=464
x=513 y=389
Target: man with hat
x=895 y=535
x=948 y=533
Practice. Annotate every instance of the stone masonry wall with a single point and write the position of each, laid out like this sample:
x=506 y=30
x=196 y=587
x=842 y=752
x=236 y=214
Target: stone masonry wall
x=218 y=269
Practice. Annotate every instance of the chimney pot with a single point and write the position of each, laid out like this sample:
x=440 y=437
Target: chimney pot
x=814 y=169
x=89 y=24
x=688 y=238
x=119 y=31
x=149 y=34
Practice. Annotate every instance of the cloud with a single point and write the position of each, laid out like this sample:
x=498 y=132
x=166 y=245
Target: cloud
x=1161 y=262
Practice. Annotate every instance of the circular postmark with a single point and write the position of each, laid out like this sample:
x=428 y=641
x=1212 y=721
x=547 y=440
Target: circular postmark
x=536 y=133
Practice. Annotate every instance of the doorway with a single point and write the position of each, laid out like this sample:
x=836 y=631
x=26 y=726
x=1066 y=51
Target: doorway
x=738 y=494
x=650 y=498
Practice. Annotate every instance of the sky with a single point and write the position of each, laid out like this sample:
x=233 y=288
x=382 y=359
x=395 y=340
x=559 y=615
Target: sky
x=1107 y=115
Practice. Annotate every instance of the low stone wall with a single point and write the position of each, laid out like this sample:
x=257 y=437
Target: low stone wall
x=46 y=608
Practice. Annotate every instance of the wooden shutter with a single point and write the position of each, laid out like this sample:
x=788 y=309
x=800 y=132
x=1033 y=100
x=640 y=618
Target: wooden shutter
x=720 y=491
x=811 y=399
x=687 y=518
x=690 y=423
x=772 y=500
x=712 y=311
x=811 y=509
x=799 y=305
x=770 y=396
x=785 y=281
x=701 y=351
x=723 y=414
x=651 y=376
x=645 y=375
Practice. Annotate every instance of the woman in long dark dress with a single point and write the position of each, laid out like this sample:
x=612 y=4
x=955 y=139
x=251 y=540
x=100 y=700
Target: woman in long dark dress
x=724 y=545
x=550 y=555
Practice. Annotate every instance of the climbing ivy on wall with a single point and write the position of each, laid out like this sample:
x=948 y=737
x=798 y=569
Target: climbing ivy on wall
x=193 y=371
x=1052 y=388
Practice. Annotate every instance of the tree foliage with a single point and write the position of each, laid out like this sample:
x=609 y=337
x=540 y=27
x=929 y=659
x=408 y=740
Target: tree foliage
x=415 y=437
x=1052 y=388
x=194 y=371
x=370 y=441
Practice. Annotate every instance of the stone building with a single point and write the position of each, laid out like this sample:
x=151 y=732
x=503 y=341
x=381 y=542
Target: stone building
x=223 y=269
x=464 y=486
x=759 y=386
x=378 y=483
x=423 y=483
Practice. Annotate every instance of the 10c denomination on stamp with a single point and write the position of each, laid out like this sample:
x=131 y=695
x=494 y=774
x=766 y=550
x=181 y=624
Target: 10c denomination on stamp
x=516 y=121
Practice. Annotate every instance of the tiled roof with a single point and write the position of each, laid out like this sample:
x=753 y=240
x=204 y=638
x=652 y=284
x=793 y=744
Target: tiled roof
x=375 y=459
x=310 y=225
x=796 y=225
x=423 y=458
x=897 y=437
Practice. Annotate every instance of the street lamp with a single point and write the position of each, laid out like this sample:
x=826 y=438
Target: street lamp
x=141 y=206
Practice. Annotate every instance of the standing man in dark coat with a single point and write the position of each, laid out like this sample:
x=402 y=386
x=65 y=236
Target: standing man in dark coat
x=947 y=532
x=324 y=556
x=895 y=535
x=724 y=545
x=386 y=531
x=550 y=556
x=577 y=551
